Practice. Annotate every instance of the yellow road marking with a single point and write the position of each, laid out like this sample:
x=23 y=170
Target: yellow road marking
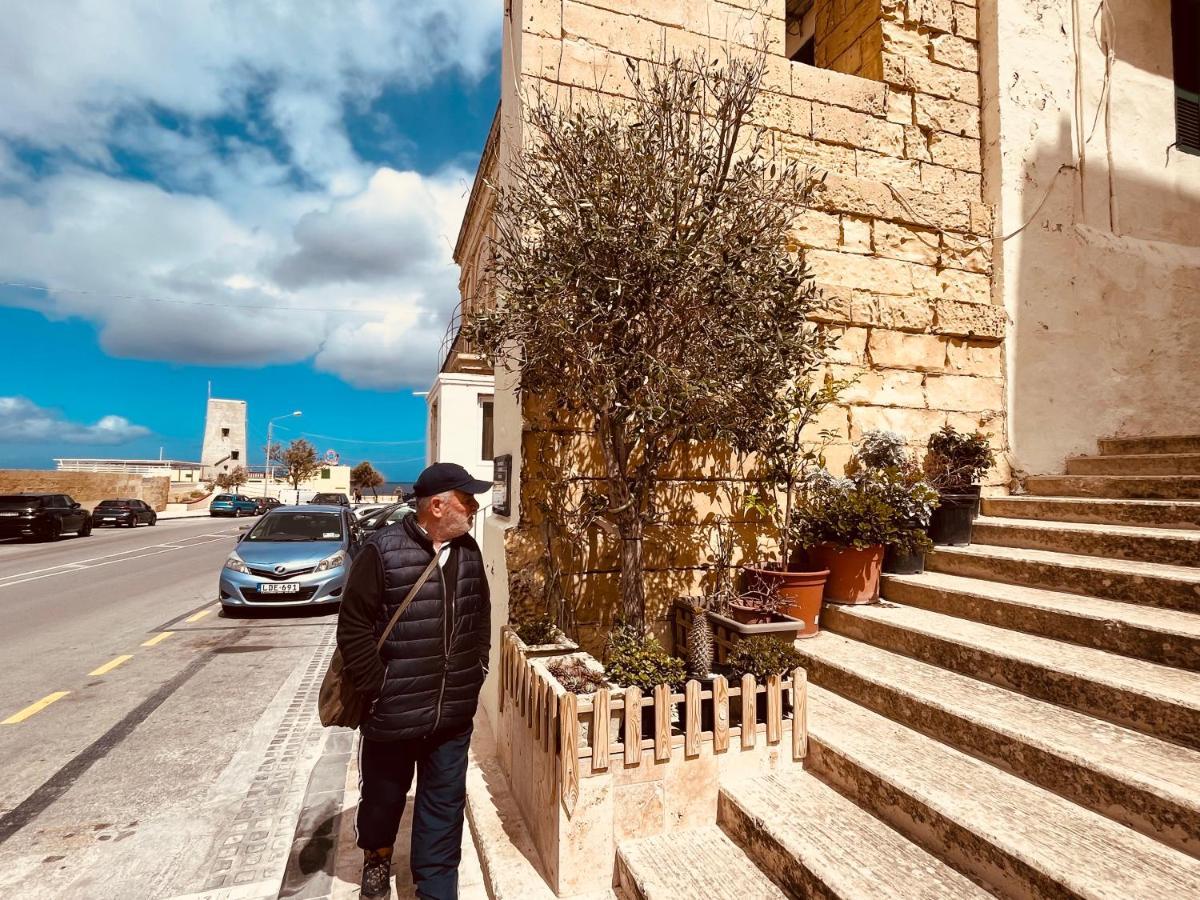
x=111 y=664
x=157 y=639
x=34 y=708
x=198 y=616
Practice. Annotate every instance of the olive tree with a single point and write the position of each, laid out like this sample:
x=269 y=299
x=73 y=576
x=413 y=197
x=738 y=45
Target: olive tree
x=299 y=460
x=645 y=277
x=366 y=476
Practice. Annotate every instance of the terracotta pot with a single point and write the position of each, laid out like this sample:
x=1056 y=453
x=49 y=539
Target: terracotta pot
x=802 y=593
x=853 y=574
x=748 y=615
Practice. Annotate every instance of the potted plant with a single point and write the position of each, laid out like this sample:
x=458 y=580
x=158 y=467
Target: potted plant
x=582 y=675
x=763 y=657
x=907 y=491
x=638 y=660
x=954 y=464
x=788 y=457
x=844 y=525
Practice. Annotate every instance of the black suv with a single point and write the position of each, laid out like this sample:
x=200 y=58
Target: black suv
x=123 y=512
x=331 y=499
x=42 y=516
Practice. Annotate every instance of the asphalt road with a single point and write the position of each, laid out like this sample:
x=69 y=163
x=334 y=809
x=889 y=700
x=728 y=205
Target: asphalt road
x=125 y=701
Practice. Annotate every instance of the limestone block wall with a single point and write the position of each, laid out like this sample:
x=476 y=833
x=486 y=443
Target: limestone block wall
x=898 y=238
x=86 y=488
x=849 y=37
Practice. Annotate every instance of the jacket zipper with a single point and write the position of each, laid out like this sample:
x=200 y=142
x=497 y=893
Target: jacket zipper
x=446 y=624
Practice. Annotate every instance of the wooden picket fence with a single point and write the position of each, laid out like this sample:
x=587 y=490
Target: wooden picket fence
x=556 y=717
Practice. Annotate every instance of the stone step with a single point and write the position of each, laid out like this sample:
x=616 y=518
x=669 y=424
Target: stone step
x=1143 y=782
x=816 y=843
x=1165 y=636
x=1141 y=487
x=1172 y=546
x=1017 y=838
x=1151 y=513
x=1153 y=584
x=1158 y=700
x=1136 y=464
x=696 y=862
x=1168 y=443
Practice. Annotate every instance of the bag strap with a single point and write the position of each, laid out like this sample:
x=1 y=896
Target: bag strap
x=412 y=594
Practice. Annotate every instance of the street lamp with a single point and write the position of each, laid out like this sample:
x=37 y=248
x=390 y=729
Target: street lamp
x=269 y=469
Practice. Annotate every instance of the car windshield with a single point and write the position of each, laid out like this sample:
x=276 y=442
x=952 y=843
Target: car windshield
x=18 y=500
x=114 y=504
x=297 y=526
x=222 y=497
x=387 y=516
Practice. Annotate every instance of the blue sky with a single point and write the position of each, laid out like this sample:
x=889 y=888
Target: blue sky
x=261 y=198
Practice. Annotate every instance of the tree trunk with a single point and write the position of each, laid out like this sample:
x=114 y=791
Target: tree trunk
x=633 y=590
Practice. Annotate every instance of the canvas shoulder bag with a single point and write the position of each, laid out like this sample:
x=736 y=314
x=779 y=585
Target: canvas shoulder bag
x=339 y=704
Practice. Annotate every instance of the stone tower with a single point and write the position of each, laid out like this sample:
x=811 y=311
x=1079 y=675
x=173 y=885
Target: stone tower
x=224 y=436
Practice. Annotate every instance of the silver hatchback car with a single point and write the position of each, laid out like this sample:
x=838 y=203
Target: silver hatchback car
x=293 y=556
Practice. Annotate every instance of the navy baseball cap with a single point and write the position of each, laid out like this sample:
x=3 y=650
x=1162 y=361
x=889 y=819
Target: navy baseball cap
x=442 y=477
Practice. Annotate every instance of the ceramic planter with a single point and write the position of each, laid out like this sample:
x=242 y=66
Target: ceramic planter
x=951 y=522
x=853 y=574
x=802 y=593
x=902 y=562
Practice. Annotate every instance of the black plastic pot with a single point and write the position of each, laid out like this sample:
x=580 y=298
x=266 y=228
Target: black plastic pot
x=950 y=524
x=902 y=562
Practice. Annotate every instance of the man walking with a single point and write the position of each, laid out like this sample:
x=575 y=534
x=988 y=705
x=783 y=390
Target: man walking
x=424 y=681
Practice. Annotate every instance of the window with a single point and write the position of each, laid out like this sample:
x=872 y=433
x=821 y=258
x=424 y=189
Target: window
x=325 y=473
x=489 y=427
x=801 y=38
x=224 y=432
x=235 y=454
x=1185 y=26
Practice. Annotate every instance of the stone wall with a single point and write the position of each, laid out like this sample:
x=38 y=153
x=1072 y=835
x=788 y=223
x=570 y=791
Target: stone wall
x=849 y=37
x=898 y=238
x=86 y=488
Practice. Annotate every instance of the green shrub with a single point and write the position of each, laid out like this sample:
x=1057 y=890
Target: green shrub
x=637 y=660
x=536 y=630
x=956 y=461
x=762 y=656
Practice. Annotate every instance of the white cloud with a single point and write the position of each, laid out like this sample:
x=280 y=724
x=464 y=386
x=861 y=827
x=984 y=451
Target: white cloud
x=262 y=256
x=22 y=421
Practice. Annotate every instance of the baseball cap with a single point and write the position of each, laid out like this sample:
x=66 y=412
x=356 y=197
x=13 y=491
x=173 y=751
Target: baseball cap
x=448 y=477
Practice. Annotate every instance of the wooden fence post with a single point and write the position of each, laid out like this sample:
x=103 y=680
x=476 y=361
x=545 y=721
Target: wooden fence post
x=633 y=726
x=774 y=709
x=799 y=714
x=568 y=751
x=749 y=711
x=720 y=701
x=662 y=721
x=599 y=730
x=691 y=730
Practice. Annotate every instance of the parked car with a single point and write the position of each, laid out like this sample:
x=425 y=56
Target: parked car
x=123 y=512
x=331 y=500
x=367 y=509
x=294 y=555
x=386 y=515
x=266 y=504
x=232 y=505
x=43 y=516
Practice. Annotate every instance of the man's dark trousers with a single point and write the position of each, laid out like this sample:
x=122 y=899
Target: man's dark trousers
x=440 y=762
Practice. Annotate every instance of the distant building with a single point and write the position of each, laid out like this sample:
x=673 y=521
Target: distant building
x=224 y=436
x=177 y=471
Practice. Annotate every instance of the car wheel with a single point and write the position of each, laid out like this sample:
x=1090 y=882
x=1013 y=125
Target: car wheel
x=86 y=528
x=230 y=612
x=52 y=530
x=153 y=520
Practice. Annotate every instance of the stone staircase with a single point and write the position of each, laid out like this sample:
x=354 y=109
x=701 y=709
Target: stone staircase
x=1021 y=721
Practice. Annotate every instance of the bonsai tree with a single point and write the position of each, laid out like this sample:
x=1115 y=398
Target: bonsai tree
x=365 y=475
x=299 y=460
x=645 y=279
x=956 y=461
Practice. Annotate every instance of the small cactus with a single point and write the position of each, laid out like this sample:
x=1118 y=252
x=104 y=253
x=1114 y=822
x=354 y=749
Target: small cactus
x=699 y=643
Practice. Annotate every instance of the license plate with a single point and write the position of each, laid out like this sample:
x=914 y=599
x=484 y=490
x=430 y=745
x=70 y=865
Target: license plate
x=282 y=587
x=5 y=512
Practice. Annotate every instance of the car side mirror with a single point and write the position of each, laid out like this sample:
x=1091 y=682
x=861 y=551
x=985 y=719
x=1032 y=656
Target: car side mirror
x=75 y=506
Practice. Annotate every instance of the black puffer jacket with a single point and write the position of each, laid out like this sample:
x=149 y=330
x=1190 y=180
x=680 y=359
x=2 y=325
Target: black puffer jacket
x=428 y=674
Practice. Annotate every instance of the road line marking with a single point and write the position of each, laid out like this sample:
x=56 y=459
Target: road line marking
x=158 y=638
x=196 y=617
x=84 y=563
x=111 y=664
x=34 y=708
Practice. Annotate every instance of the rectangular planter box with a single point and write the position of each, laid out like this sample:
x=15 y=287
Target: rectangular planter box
x=727 y=632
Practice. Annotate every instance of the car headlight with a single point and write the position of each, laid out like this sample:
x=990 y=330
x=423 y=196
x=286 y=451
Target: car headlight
x=331 y=562
x=235 y=563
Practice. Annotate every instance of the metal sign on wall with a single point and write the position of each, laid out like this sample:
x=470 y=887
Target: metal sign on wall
x=501 y=485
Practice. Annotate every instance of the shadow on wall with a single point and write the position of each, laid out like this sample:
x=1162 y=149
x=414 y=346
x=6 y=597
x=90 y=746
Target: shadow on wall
x=1105 y=338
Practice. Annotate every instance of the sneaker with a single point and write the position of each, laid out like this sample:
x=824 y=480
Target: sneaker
x=377 y=873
